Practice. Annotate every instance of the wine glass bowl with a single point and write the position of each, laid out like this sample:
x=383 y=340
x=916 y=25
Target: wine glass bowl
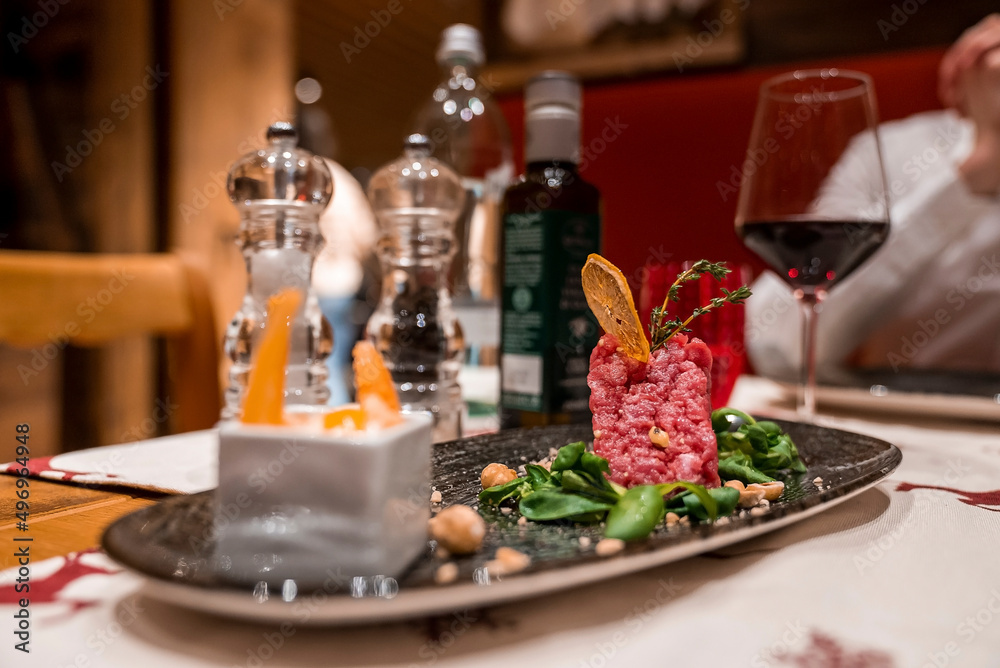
x=813 y=204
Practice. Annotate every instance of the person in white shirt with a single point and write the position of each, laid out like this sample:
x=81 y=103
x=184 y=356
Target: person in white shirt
x=930 y=297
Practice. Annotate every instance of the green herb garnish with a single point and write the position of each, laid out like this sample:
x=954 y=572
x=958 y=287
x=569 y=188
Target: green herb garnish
x=576 y=489
x=661 y=328
x=753 y=451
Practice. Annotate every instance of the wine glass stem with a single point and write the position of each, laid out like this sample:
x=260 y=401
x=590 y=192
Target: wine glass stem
x=807 y=379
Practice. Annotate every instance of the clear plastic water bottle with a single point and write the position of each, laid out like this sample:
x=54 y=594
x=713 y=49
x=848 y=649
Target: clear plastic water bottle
x=280 y=192
x=467 y=130
x=417 y=200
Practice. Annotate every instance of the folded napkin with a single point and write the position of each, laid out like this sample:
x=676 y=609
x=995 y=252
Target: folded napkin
x=180 y=464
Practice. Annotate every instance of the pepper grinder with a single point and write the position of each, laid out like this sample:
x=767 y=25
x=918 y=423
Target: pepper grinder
x=280 y=192
x=417 y=200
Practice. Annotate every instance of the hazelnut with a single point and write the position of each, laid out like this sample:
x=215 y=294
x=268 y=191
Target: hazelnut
x=459 y=529
x=772 y=490
x=609 y=546
x=496 y=474
x=508 y=560
x=446 y=573
x=750 y=497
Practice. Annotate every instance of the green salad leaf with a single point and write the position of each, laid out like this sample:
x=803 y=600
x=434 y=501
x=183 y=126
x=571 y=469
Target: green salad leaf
x=550 y=504
x=498 y=494
x=752 y=451
x=636 y=514
x=721 y=501
x=577 y=489
x=568 y=456
x=738 y=466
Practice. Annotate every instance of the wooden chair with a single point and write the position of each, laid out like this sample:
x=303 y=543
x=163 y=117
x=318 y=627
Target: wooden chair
x=94 y=299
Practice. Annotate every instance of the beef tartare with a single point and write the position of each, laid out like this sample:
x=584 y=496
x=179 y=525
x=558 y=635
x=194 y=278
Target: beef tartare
x=652 y=420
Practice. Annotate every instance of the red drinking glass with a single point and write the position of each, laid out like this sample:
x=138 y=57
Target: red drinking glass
x=721 y=329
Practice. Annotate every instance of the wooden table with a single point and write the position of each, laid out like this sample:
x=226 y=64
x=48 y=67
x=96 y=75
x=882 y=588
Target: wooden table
x=63 y=518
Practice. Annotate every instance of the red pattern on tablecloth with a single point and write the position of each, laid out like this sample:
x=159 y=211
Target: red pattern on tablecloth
x=41 y=467
x=975 y=499
x=47 y=590
x=825 y=651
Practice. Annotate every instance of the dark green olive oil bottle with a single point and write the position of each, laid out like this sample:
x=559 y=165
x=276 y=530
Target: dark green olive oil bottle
x=551 y=223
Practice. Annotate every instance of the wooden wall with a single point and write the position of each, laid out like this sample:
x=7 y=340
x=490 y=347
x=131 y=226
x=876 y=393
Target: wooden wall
x=231 y=76
x=170 y=94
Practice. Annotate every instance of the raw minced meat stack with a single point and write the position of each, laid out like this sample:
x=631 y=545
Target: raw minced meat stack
x=652 y=420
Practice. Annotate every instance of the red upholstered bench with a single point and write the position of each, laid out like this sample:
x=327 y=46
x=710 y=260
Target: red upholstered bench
x=665 y=151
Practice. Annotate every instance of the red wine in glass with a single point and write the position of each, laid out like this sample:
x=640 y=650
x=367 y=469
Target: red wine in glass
x=813 y=254
x=815 y=207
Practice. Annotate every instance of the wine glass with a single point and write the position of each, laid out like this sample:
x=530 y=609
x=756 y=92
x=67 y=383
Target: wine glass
x=813 y=204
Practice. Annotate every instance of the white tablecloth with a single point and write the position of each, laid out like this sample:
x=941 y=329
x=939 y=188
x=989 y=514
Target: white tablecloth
x=902 y=575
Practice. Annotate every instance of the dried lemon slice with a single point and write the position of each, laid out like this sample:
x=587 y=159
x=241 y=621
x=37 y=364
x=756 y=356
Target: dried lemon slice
x=610 y=299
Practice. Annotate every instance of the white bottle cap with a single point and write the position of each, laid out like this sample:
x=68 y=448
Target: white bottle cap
x=552 y=102
x=553 y=87
x=461 y=40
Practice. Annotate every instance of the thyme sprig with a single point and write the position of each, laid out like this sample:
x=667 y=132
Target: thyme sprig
x=661 y=329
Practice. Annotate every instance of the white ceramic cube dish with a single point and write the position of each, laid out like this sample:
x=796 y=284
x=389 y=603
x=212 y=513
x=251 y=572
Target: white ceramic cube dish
x=305 y=505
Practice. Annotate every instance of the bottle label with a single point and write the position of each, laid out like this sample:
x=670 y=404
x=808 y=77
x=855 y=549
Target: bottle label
x=548 y=331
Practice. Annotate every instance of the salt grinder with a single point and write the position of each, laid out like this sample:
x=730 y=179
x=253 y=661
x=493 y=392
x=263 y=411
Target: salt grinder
x=280 y=192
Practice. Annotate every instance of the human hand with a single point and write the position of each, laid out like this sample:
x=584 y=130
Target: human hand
x=970 y=82
x=962 y=56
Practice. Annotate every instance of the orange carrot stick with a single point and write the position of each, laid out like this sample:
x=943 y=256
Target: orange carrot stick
x=376 y=393
x=349 y=416
x=265 y=398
